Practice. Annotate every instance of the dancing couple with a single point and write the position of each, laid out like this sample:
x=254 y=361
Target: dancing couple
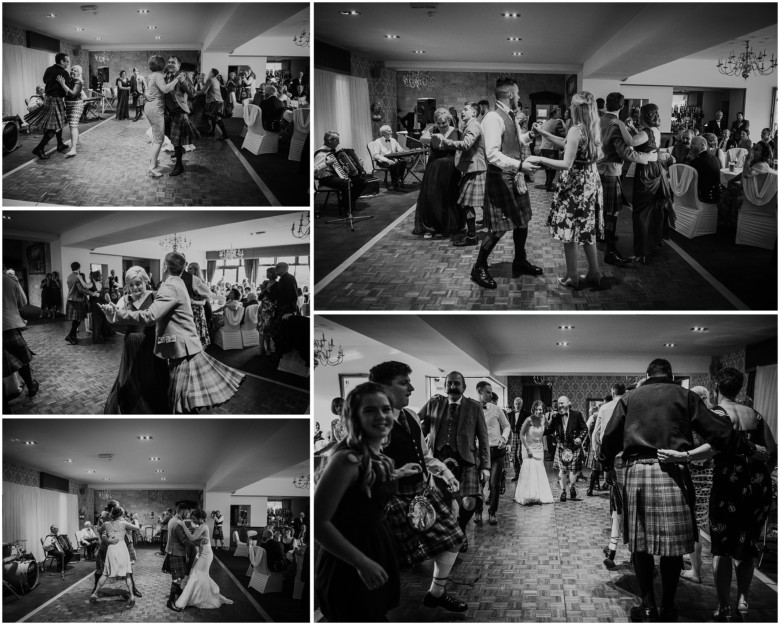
x=116 y=555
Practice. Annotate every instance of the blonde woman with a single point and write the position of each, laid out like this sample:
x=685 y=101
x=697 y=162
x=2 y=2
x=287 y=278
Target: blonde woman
x=74 y=105
x=576 y=215
x=156 y=89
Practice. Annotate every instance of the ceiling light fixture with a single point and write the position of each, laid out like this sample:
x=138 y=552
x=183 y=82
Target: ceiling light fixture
x=565 y=327
x=154 y=459
x=50 y=15
x=90 y=470
x=699 y=329
x=69 y=460
x=30 y=443
x=350 y=12
x=151 y=28
x=517 y=54
x=158 y=37
x=514 y=39
x=562 y=344
x=668 y=344
x=510 y=15
x=744 y=63
x=7 y=217
x=163 y=479
x=98 y=38
x=419 y=51
x=392 y=36
x=143 y=10
x=78 y=29
x=106 y=479
x=144 y=437
x=159 y=471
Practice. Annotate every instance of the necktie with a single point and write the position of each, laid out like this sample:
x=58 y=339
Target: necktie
x=387 y=140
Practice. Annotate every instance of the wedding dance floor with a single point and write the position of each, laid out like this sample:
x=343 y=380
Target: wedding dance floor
x=76 y=379
x=110 y=170
x=544 y=564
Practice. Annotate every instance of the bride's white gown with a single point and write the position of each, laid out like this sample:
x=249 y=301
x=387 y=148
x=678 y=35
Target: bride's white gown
x=533 y=485
x=201 y=591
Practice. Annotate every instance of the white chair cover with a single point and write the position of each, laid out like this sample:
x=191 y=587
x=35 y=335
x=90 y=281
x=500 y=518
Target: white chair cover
x=233 y=317
x=681 y=177
x=301 y=118
x=760 y=190
x=253 y=116
x=738 y=155
x=242 y=549
x=257 y=139
x=693 y=218
x=263 y=580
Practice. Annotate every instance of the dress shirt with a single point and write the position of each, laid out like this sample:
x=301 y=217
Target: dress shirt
x=497 y=425
x=602 y=420
x=384 y=146
x=321 y=168
x=493 y=130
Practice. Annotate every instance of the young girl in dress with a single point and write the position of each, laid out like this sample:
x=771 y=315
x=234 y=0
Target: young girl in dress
x=533 y=485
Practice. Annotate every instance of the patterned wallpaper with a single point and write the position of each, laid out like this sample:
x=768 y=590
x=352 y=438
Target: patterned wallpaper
x=18 y=37
x=735 y=359
x=381 y=88
x=18 y=474
x=144 y=502
x=14 y=35
x=578 y=388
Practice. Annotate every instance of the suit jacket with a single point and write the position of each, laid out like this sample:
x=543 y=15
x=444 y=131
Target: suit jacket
x=471 y=148
x=287 y=294
x=516 y=419
x=273 y=109
x=738 y=127
x=615 y=148
x=171 y=312
x=708 y=167
x=576 y=428
x=471 y=437
x=178 y=542
x=181 y=92
x=716 y=127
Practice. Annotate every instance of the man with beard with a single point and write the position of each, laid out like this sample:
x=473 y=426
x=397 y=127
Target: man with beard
x=568 y=428
x=441 y=541
x=516 y=419
x=454 y=427
x=177 y=122
x=507 y=201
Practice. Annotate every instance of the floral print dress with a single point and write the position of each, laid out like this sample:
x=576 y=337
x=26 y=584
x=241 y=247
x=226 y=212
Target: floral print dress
x=577 y=212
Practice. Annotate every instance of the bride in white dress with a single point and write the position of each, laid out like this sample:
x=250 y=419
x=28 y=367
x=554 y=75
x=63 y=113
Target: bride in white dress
x=201 y=591
x=533 y=485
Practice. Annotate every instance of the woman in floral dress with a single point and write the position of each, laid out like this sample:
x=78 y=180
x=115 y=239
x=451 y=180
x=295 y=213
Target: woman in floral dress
x=576 y=217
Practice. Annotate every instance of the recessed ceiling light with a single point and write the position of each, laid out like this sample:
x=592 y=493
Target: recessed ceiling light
x=510 y=15
x=151 y=28
x=350 y=12
x=668 y=344
x=562 y=344
x=517 y=54
x=106 y=479
x=565 y=327
x=419 y=51
x=98 y=38
x=143 y=10
x=90 y=470
x=154 y=459
x=8 y=217
x=50 y=15
x=160 y=471
x=158 y=37
x=78 y=29
x=392 y=36
x=30 y=443
x=699 y=329
x=69 y=460
x=144 y=437
x=162 y=479
x=514 y=39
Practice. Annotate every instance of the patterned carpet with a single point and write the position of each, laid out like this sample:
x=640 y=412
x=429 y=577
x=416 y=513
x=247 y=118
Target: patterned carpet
x=76 y=379
x=110 y=170
x=405 y=272
x=544 y=564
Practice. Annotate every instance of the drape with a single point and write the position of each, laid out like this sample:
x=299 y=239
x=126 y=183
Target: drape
x=759 y=190
x=211 y=267
x=343 y=106
x=29 y=512
x=681 y=177
x=250 y=268
x=22 y=71
x=765 y=400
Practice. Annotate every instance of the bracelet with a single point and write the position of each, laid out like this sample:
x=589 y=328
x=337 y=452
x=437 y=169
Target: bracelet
x=688 y=457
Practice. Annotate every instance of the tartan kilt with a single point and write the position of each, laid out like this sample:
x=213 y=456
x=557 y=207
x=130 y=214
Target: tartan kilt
x=658 y=510
x=50 y=116
x=505 y=208
x=514 y=454
x=200 y=381
x=179 y=129
x=616 y=494
x=417 y=547
x=613 y=194
x=215 y=110
x=593 y=457
x=576 y=463
x=468 y=477
x=218 y=535
x=16 y=354
x=472 y=189
x=74 y=109
x=74 y=311
x=177 y=566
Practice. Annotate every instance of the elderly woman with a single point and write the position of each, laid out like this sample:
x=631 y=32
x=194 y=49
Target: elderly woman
x=215 y=105
x=437 y=211
x=141 y=386
x=74 y=105
x=156 y=89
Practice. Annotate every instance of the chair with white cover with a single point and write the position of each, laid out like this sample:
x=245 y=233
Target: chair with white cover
x=300 y=133
x=694 y=218
x=148 y=533
x=242 y=548
x=251 y=537
x=258 y=140
x=229 y=335
x=250 y=336
x=738 y=155
x=722 y=158
x=263 y=580
x=757 y=221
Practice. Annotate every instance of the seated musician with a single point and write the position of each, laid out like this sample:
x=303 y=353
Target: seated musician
x=58 y=545
x=386 y=145
x=327 y=175
x=89 y=540
x=35 y=101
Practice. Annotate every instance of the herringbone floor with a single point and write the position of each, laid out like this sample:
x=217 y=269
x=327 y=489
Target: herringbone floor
x=406 y=272
x=544 y=564
x=76 y=379
x=110 y=170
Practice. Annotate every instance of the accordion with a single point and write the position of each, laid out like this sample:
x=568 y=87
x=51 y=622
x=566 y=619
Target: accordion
x=345 y=163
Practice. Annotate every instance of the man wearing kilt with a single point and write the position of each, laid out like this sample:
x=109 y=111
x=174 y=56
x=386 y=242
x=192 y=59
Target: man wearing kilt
x=516 y=419
x=659 y=499
x=470 y=161
x=76 y=307
x=441 y=541
x=16 y=355
x=176 y=548
x=51 y=117
x=568 y=428
x=455 y=426
x=508 y=205
x=610 y=169
x=177 y=122
x=105 y=541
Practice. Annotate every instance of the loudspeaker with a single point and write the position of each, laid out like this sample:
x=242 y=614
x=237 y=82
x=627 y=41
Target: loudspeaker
x=425 y=110
x=103 y=75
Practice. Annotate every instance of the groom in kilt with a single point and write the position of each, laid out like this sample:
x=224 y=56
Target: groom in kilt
x=178 y=127
x=52 y=116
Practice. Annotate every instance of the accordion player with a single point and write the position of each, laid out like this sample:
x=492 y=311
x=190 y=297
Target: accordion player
x=340 y=169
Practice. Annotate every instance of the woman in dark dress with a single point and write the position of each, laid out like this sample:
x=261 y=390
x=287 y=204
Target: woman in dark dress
x=51 y=296
x=741 y=496
x=141 y=387
x=357 y=578
x=437 y=211
x=122 y=96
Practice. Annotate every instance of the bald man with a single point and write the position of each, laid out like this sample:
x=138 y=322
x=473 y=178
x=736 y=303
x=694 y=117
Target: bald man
x=569 y=429
x=708 y=167
x=385 y=144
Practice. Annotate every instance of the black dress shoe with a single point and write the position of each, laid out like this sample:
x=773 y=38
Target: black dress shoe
x=177 y=170
x=465 y=242
x=172 y=606
x=480 y=275
x=62 y=148
x=523 y=268
x=589 y=492
x=668 y=615
x=492 y=520
x=446 y=601
x=33 y=390
x=641 y=614
x=563 y=495
x=478 y=518
x=41 y=154
x=465 y=546
x=136 y=592
x=614 y=258
x=573 y=492
x=609 y=561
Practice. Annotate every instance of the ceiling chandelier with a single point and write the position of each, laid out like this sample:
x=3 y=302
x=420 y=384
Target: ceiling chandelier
x=417 y=79
x=323 y=353
x=304 y=227
x=106 y=494
x=231 y=254
x=302 y=481
x=103 y=57
x=543 y=380
x=747 y=62
x=175 y=242
x=302 y=37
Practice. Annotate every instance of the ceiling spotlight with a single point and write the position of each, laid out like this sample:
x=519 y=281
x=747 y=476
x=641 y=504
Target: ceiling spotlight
x=350 y=12
x=517 y=54
x=159 y=471
x=419 y=51
x=158 y=37
x=154 y=459
x=151 y=28
x=163 y=479
x=144 y=437
x=143 y=10
x=7 y=217
x=106 y=479
x=98 y=38
x=50 y=15
x=78 y=29
x=699 y=329
x=510 y=15
x=565 y=327
x=392 y=36
x=562 y=344
x=90 y=470
x=513 y=39
x=30 y=443
x=69 y=460
x=668 y=344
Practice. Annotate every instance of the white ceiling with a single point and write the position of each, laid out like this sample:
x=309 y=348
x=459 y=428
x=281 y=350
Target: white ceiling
x=760 y=39
x=526 y=344
x=222 y=455
x=210 y=25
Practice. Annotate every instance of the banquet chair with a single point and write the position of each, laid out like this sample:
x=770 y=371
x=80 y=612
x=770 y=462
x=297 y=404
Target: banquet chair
x=722 y=159
x=323 y=188
x=263 y=580
x=694 y=218
x=249 y=333
x=300 y=133
x=148 y=533
x=299 y=582
x=757 y=220
x=229 y=335
x=258 y=140
x=51 y=555
x=251 y=537
x=738 y=155
x=242 y=548
x=377 y=167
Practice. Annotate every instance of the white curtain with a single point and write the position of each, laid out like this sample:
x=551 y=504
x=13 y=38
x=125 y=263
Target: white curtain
x=29 y=512
x=765 y=400
x=343 y=106
x=22 y=71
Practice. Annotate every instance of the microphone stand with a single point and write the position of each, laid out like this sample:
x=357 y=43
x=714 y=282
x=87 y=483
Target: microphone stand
x=349 y=219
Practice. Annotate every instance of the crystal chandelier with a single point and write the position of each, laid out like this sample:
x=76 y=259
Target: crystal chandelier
x=301 y=38
x=231 y=254
x=323 y=352
x=303 y=227
x=103 y=57
x=543 y=380
x=302 y=481
x=747 y=62
x=175 y=242
x=105 y=494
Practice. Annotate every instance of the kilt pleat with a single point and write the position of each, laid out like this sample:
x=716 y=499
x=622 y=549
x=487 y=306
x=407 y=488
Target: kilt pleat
x=177 y=565
x=200 y=381
x=505 y=208
x=50 y=116
x=658 y=515
x=472 y=189
x=613 y=194
x=74 y=311
x=417 y=547
x=215 y=110
x=179 y=129
x=16 y=354
x=576 y=463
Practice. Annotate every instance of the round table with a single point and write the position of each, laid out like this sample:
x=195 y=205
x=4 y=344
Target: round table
x=726 y=175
